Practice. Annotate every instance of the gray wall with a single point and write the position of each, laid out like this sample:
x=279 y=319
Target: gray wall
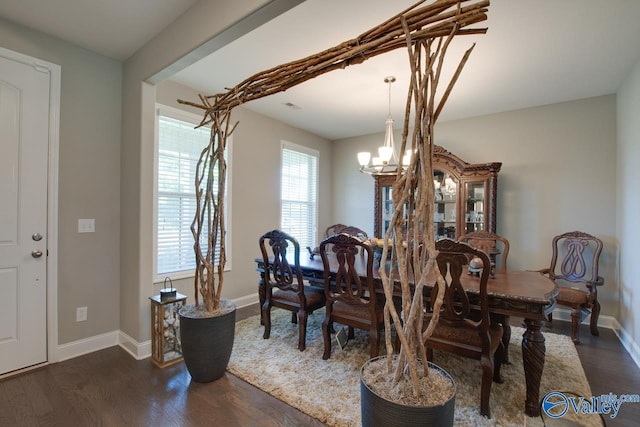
x=628 y=206
x=89 y=180
x=255 y=186
x=191 y=31
x=558 y=174
x=112 y=276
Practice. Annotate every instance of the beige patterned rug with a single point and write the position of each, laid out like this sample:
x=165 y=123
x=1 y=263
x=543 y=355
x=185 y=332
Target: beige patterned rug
x=329 y=390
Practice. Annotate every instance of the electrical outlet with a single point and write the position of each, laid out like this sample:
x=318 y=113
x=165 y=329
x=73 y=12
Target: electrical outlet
x=86 y=225
x=81 y=314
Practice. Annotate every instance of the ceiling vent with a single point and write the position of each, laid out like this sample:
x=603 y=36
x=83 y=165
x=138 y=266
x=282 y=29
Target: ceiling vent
x=292 y=106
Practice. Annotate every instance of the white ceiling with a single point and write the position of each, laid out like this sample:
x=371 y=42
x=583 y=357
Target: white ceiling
x=534 y=53
x=113 y=28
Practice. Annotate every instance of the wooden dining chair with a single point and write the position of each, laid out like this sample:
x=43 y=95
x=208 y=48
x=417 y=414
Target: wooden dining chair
x=574 y=267
x=494 y=245
x=497 y=247
x=464 y=327
x=351 y=299
x=281 y=284
x=337 y=229
x=347 y=229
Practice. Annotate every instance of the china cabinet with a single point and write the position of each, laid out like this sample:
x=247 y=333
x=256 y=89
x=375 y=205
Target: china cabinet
x=465 y=196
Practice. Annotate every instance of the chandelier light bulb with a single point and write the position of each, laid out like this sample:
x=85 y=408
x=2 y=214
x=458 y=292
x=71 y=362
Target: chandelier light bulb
x=385 y=153
x=364 y=157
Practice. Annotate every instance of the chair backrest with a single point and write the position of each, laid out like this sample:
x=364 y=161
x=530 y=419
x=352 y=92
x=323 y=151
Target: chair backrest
x=487 y=242
x=457 y=307
x=575 y=257
x=347 y=229
x=276 y=247
x=349 y=257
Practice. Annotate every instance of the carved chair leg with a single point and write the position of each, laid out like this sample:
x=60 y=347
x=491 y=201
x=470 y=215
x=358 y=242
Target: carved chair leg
x=266 y=320
x=374 y=341
x=576 y=314
x=595 y=313
x=506 y=338
x=498 y=360
x=302 y=328
x=294 y=317
x=262 y=297
x=326 y=334
x=506 y=334
x=487 y=377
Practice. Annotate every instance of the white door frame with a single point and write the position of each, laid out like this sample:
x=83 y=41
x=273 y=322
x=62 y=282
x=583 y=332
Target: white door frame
x=54 y=71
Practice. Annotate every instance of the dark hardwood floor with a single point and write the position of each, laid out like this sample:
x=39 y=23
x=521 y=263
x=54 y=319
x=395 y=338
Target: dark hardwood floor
x=110 y=388
x=608 y=367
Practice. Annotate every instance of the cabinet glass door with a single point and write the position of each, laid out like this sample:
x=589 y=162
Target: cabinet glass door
x=444 y=215
x=465 y=197
x=475 y=207
x=387 y=208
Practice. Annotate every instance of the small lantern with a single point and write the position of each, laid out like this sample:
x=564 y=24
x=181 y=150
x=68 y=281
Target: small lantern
x=168 y=292
x=165 y=329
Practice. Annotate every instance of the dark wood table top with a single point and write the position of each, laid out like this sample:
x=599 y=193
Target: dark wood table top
x=512 y=292
x=523 y=285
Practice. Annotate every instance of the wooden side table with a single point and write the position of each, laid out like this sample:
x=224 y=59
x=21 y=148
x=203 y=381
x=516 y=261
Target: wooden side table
x=165 y=329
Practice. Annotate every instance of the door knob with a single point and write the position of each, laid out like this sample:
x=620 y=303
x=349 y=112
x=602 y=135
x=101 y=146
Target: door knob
x=36 y=254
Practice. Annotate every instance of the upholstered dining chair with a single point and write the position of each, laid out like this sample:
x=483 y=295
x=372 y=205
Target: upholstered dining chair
x=337 y=229
x=497 y=247
x=494 y=245
x=281 y=283
x=460 y=330
x=574 y=267
x=351 y=300
x=348 y=229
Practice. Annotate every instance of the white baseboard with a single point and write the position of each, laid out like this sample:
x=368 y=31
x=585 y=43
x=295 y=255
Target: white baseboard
x=87 y=345
x=608 y=322
x=247 y=300
x=627 y=341
x=138 y=350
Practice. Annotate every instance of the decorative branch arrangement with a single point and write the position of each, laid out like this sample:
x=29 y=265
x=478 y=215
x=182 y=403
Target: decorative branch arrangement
x=439 y=19
x=413 y=250
x=426 y=32
x=211 y=167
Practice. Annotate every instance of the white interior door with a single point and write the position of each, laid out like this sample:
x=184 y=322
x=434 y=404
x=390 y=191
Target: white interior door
x=24 y=133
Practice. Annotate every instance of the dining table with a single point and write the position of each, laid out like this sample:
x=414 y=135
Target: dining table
x=511 y=293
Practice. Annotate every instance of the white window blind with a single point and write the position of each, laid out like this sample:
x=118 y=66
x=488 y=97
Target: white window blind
x=178 y=151
x=299 y=193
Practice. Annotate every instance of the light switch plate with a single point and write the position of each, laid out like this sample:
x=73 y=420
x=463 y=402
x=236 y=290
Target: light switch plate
x=81 y=314
x=86 y=225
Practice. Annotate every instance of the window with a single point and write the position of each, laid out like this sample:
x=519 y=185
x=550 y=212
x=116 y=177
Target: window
x=178 y=148
x=299 y=195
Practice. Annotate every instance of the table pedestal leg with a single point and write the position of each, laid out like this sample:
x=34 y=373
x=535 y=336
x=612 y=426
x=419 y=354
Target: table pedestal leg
x=533 y=351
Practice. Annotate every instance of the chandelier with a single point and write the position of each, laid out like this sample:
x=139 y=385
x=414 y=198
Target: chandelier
x=386 y=163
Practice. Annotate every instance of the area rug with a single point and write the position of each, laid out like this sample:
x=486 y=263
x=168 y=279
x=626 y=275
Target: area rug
x=329 y=390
